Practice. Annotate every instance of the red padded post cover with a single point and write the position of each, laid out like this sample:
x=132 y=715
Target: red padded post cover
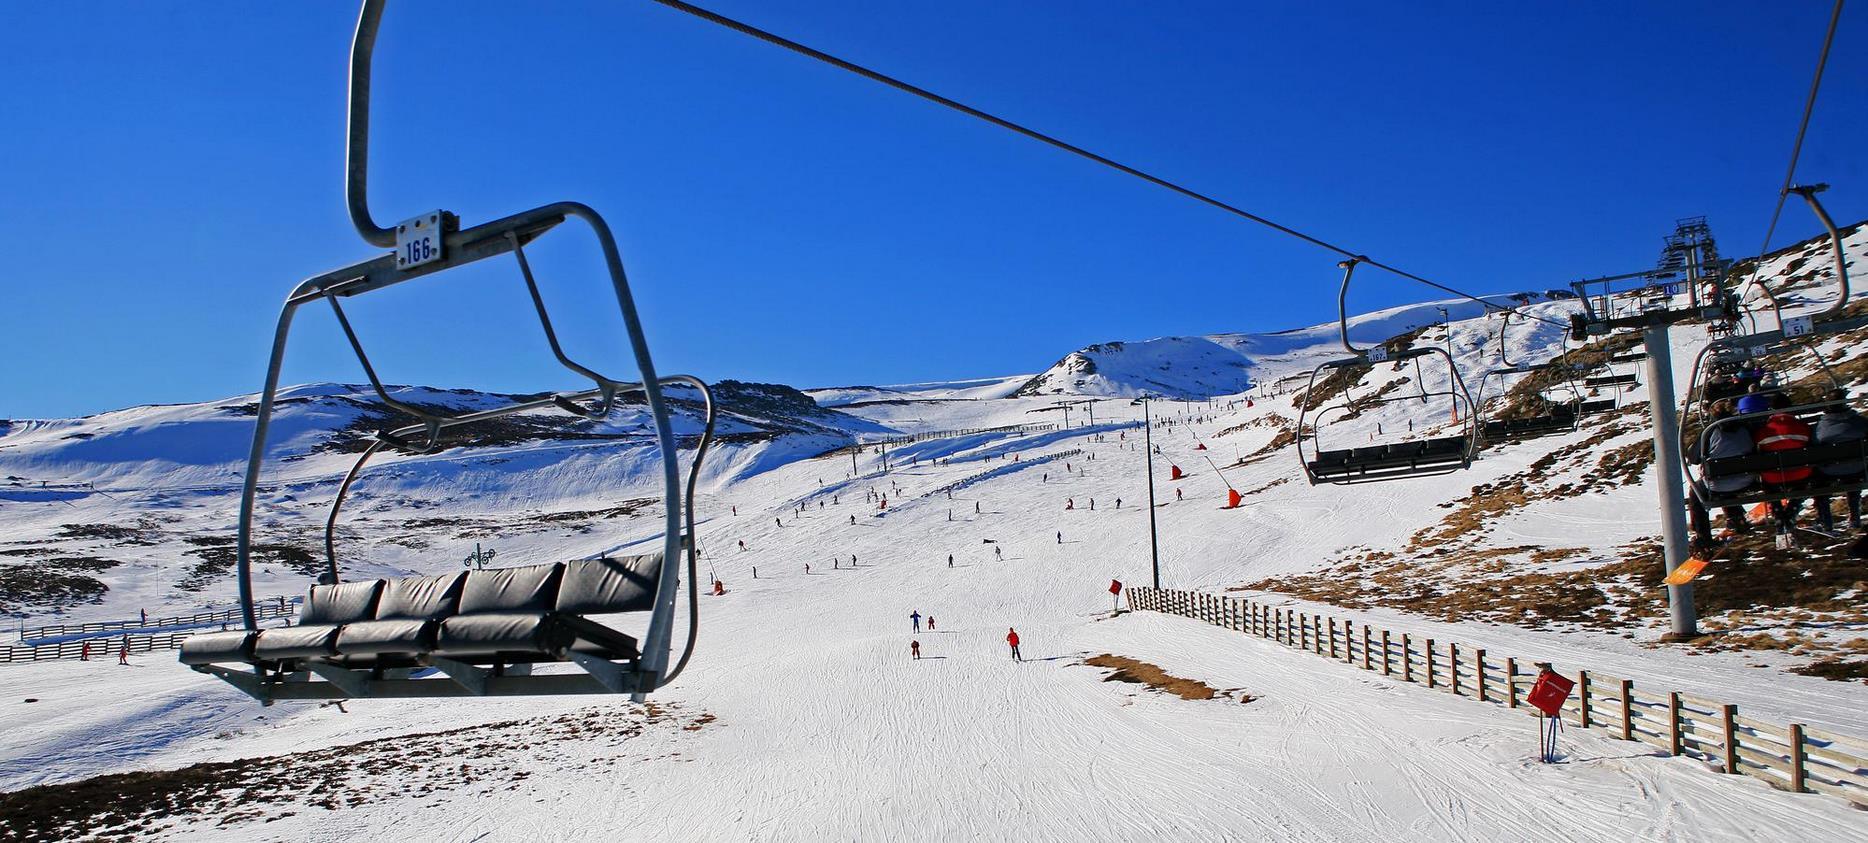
x=1549 y=691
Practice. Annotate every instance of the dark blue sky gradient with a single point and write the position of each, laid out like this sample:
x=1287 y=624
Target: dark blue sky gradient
x=171 y=170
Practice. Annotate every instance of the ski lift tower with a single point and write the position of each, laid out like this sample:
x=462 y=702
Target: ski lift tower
x=1650 y=302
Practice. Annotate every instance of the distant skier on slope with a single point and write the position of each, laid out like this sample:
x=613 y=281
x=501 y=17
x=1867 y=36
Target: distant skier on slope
x=930 y=623
x=914 y=649
x=916 y=617
x=1011 y=637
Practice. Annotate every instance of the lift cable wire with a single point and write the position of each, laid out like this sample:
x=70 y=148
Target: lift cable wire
x=781 y=41
x=1796 y=150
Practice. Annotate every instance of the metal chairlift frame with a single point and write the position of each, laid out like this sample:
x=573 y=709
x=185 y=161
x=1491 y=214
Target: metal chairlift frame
x=1791 y=332
x=1553 y=422
x=1424 y=458
x=460 y=247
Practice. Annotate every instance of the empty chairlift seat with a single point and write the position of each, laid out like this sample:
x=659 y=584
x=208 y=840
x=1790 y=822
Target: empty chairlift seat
x=407 y=614
x=501 y=616
x=1402 y=459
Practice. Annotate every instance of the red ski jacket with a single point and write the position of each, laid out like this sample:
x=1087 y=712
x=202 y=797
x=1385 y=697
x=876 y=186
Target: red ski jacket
x=1011 y=638
x=1784 y=432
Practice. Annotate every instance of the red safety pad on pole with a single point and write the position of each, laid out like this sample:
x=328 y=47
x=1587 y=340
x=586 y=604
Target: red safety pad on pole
x=1549 y=692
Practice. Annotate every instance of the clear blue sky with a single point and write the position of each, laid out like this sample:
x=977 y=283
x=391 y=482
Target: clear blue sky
x=171 y=170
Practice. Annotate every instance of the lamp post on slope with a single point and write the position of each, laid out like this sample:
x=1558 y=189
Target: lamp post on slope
x=1148 y=453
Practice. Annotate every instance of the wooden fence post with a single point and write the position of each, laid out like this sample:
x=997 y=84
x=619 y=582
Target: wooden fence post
x=1729 y=714
x=1673 y=723
x=1478 y=661
x=1582 y=693
x=1796 y=757
x=1452 y=667
x=1385 y=670
x=1407 y=658
x=1430 y=676
x=1365 y=647
x=1511 y=682
x=1627 y=692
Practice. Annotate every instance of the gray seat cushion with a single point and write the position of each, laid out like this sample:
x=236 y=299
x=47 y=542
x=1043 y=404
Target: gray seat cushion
x=340 y=603
x=420 y=598
x=375 y=638
x=295 y=642
x=217 y=647
x=500 y=632
x=603 y=586
x=530 y=588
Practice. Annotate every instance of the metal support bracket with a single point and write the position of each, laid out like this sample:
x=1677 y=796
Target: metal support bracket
x=612 y=675
x=251 y=684
x=467 y=676
x=349 y=681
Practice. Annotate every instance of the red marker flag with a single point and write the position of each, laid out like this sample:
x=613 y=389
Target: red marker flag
x=1115 y=586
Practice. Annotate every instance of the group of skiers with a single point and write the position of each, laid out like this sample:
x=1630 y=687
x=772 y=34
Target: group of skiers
x=914 y=644
x=1780 y=430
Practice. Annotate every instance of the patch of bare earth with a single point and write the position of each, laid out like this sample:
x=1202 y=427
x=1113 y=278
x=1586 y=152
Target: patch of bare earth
x=136 y=806
x=1125 y=669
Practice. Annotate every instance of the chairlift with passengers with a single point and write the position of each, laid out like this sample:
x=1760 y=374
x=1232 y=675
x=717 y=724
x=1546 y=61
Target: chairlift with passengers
x=1395 y=461
x=475 y=632
x=1712 y=368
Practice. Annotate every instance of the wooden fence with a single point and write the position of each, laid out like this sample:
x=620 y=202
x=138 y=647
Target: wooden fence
x=275 y=607
x=997 y=470
x=1794 y=757
x=100 y=648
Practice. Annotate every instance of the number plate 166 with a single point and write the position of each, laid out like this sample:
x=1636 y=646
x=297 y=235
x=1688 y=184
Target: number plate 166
x=418 y=240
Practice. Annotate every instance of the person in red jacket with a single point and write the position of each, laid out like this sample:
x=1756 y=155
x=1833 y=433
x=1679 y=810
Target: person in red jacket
x=1784 y=432
x=1011 y=637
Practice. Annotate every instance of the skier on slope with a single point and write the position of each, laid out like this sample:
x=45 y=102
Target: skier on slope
x=914 y=649
x=930 y=623
x=916 y=618
x=1011 y=637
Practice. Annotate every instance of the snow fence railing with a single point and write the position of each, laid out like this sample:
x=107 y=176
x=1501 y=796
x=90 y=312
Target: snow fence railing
x=97 y=649
x=273 y=607
x=1791 y=757
x=997 y=470
x=924 y=436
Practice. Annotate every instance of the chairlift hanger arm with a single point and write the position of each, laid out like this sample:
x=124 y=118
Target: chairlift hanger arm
x=1808 y=192
x=357 y=147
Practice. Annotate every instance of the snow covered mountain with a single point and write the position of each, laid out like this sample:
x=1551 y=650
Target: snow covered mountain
x=803 y=716
x=1198 y=368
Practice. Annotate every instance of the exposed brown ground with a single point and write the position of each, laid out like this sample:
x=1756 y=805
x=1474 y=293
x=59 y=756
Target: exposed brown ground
x=135 y=806
x=1125 y=669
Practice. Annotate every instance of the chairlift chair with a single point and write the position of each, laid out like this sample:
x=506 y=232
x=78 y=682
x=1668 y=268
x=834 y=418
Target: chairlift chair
x=479 y=632
x=1722 y=353
x=1396 y=461
x=1561 y=417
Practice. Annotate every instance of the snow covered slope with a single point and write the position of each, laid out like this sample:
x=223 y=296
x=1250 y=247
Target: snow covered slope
x=803 y=717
